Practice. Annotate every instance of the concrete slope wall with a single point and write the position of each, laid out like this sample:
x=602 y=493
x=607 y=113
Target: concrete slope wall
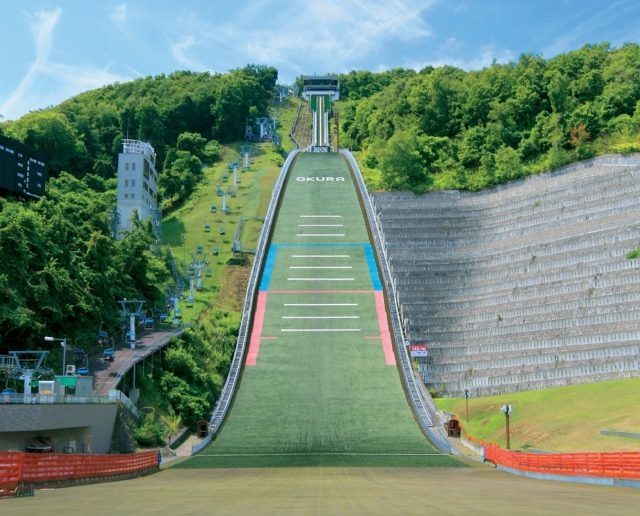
x=525 y=286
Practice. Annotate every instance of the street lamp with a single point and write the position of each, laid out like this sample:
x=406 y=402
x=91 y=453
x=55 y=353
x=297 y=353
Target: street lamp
x=507 y=410
x=466 y=399
x=63 y=342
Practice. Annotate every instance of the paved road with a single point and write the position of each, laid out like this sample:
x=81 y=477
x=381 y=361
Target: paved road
x=107 y=375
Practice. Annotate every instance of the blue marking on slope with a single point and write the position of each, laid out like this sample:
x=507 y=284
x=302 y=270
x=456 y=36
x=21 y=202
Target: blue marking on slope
x=368 y=253
x=268 y=268
x=320 y=244
x=373 y=267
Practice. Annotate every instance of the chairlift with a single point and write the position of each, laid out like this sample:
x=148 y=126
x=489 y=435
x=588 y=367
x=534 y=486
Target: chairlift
x=207 y=228
x=225 y=178
x=213 y=208
x=103 y=337
x=108 y=355
x=209 y=272
x=148 y=323
x=199 y=248
x=219 y=191
x=215 y=250
x=221 y=229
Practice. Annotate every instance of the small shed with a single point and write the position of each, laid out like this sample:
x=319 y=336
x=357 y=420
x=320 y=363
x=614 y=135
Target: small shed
x=453 y=428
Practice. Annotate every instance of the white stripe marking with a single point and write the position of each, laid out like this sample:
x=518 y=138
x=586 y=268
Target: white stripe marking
x=320 y=225
x=320 y=267
x=305 y=330
x=320 y=279
x=321 y=317
x=320 y=256
x=320 y=304
x=321 y=216
x=320 y=234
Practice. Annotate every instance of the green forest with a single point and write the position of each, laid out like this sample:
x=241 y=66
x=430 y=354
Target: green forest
x=63 y=273
x=437 y=128
x=445 y=128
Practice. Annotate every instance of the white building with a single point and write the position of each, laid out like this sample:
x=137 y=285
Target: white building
x=137 y=185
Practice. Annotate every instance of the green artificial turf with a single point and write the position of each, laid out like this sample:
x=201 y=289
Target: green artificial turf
x=324 y=398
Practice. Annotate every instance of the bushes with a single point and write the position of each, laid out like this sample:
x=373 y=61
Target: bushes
x=150 y=432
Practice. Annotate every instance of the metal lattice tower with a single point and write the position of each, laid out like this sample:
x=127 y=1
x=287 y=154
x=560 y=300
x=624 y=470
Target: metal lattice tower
x=198 y=263
x=131 y=308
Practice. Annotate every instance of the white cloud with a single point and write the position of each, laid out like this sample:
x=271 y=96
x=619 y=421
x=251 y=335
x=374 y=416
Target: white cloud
x=42 y=26
x=179 y=53
x=322 y=36
x=33 y=92
x=485 y=57
x=119 y=13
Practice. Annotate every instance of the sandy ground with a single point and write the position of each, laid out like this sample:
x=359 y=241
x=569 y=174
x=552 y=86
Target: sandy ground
x=477 y=490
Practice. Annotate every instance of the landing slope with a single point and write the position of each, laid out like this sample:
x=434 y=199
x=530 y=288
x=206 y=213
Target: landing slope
x=320 y=386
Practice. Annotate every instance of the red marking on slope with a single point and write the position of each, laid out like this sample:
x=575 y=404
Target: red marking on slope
x=321 y=291
x=256 y=332
x=383 y=324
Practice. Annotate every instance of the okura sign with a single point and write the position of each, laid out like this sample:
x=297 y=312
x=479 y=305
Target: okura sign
x=320 y=179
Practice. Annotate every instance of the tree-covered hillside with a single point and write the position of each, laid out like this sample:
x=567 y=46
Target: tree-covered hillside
x=446 y=128
x=62 y=273
x=84 y=134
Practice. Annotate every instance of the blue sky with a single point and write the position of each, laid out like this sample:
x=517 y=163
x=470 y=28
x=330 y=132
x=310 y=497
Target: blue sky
x=51 y=50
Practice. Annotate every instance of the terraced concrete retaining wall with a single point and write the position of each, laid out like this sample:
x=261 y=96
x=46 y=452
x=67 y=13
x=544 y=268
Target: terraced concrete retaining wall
x=525 y=286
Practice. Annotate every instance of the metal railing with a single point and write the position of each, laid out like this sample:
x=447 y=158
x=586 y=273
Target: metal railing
x=224 y=401
x=428 y=415
x=49 y=399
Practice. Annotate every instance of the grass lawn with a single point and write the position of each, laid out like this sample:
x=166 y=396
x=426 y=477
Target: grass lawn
x=320 y=392
x=567 y=419
x=183 y=229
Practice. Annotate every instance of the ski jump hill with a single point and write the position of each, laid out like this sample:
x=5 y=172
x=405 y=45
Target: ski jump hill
x=320 y=378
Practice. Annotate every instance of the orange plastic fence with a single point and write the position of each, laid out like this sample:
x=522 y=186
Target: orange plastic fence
x=10 y=468
x=20 y=467
x=625 y=465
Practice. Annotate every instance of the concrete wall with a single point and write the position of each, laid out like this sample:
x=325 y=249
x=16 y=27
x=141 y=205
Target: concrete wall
x=523 y=286
x=82 y=428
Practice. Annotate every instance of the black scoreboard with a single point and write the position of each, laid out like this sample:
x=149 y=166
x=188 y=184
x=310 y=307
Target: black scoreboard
x=22 y=171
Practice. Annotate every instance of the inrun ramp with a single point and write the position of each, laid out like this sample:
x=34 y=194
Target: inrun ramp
x=320 y=385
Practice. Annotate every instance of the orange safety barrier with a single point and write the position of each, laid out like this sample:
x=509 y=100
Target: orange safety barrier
x=32 y=469
x=10 y=470
x=623 y=465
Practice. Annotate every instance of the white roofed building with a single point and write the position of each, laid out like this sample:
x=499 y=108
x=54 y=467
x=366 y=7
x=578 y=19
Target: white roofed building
x=137 y=186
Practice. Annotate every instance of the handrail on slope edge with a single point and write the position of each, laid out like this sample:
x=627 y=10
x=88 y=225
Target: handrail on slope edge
x=226 y=395
x=429 y=418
